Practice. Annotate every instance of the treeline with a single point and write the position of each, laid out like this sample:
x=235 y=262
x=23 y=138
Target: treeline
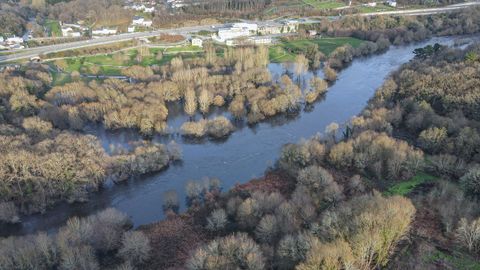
x=81 y=244
x=109 y=12
x=427 y=103
x=432 y=102
x=398 y=30
x=239 y=81
x=225 y=7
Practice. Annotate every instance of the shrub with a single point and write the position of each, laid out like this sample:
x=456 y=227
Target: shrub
x=135 y=247
x=8 y=212
x=267 y=202
x=433 y=139
x=217 y=220
x=248 y=213
x=267 y=229
x=218 y=101
x=174 y=151
x=236 y=251
x=448 y=165
x=341 y=155
x=171 y=201
x=320 y=183
x=79 y=258
x=293 y=249
x=468 y=234
x=371 y=225
x=107 y=229
x=28 y=252
x=37 y=127
x=219 y=127
x=330 y=74
x=286 y=215
x=470 y=182
x=314 y=177
x=294 y=157
x=458 y=205
x=195 y=129
x=335 y=255
x=205 y=100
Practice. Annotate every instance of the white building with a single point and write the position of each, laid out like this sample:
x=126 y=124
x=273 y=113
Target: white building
x=72 y=25
x=16 y=46
x=371 y=4
x=1 y=39
x=270 y=29
x=140 y=21
x=14 y=40
x=131 y=29
x=260 y=40
x=69 y=32
x=104 y=31
x=197 y=42
x=237 y=30
x=392 y=3
x=149 y=9
x=252 y=27
x=138 y=7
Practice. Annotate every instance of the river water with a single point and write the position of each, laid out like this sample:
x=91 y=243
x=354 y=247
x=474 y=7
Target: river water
x=246 y=154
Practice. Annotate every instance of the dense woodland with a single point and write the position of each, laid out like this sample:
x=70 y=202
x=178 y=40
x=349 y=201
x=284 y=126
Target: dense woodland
x=44 y=160
x=319 y=208
x=322 y=207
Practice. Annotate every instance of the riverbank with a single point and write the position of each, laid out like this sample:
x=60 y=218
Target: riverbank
x=226 y=159
x=324 y=185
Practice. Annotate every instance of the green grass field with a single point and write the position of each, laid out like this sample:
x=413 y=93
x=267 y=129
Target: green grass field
x=112 y=64
x=405 y=187
x=286 y=50
x=183 y=49
x=378 y=8
x=279 y=54
x=54 y=28
x=329 y=4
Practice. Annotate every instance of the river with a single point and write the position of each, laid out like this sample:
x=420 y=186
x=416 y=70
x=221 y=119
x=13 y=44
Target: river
x=246 y=154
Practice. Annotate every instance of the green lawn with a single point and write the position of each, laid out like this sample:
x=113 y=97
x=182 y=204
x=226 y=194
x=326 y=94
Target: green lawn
x=54 y=28
x=279 y=54
x=188 y=48
x=287 y=49
x=329 y=4
x=60 y=79
x=112 y=64
x=405 y=187
x=378 y=8
x=205 y=33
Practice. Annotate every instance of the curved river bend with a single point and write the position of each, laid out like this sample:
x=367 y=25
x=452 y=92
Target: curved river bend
x=244 y=155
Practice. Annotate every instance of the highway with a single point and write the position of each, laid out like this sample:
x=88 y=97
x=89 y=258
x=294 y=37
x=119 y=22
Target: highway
x=424 y=11
x=36 y=51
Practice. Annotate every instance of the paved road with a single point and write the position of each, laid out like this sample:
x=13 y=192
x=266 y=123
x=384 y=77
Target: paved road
x=36 y=51
x=31 y=52
x=425 y=11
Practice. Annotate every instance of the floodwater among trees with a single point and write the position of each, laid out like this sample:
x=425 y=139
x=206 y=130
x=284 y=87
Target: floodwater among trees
x=244 y=155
